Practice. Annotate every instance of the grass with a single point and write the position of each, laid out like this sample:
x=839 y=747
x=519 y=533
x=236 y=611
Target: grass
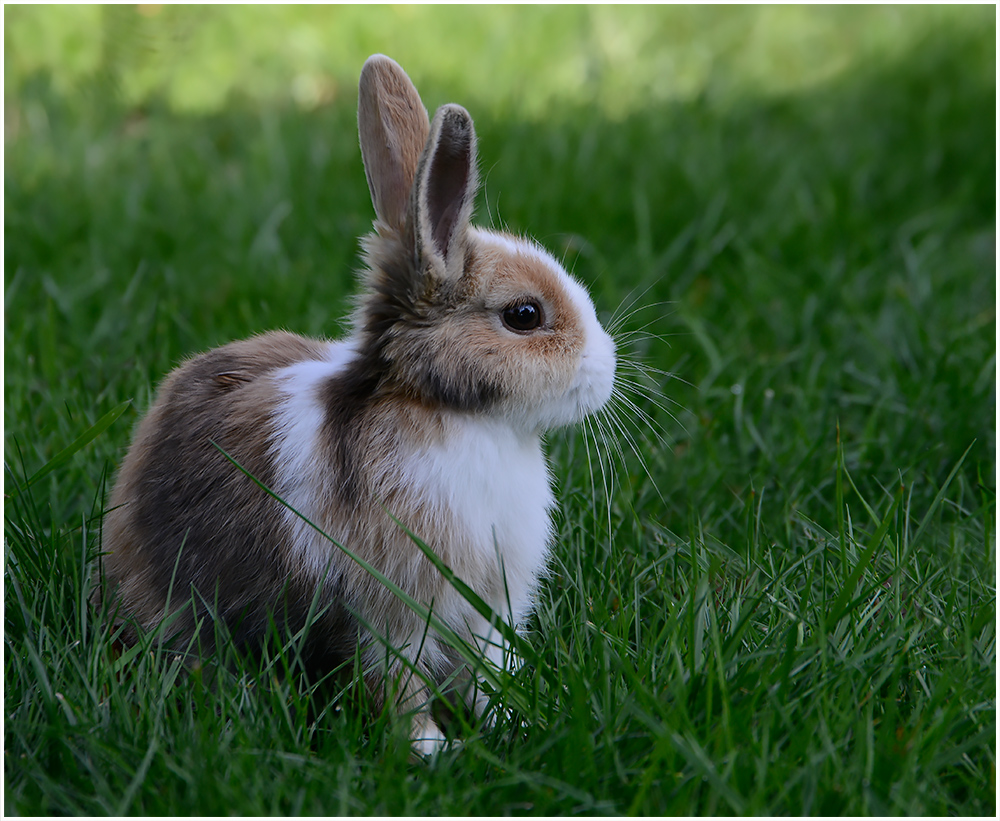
x=791 y=607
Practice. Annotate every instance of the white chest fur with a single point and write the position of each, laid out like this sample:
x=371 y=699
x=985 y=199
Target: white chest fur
x=482 y=489
x=492 y=483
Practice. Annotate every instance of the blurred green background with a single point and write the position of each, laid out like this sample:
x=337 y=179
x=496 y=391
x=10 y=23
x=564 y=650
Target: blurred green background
x=614 y=60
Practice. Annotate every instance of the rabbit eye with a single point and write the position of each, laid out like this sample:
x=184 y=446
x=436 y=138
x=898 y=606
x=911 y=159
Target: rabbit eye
x=523 y=317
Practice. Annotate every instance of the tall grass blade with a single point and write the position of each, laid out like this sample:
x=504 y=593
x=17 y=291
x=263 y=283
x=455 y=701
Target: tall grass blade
x=470 y=655
x=84 y=439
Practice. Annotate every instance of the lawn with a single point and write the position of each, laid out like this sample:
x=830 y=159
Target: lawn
x=773 y=584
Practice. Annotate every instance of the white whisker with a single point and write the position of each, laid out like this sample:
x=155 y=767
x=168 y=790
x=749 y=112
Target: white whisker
x=620 y=334
x=617 y=320
x=628 y=306
x=628 y=428
x=623 y=431
x=642 y=415
x=647 y=392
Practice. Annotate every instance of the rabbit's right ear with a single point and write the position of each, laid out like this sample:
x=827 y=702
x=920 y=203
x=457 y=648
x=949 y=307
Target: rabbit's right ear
x=393 y=126
x=447 y=181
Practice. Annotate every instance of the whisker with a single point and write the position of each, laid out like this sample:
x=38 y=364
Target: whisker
x=609 y=488
x=647 y=370
x=647 y=391
x=628 y=428
x=649 y=420
x=628 y=306
x=653 y=399
x=618 y=320
x=622 y=430
x=620 y=334
x=627 y=414
x=604 y=481
x=611 y=444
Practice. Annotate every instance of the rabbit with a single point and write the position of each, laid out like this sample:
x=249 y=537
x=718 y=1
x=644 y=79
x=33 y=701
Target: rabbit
x=466 y=345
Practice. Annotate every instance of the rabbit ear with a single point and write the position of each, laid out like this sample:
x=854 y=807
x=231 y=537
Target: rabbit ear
x=446 y=188
x=393 y=126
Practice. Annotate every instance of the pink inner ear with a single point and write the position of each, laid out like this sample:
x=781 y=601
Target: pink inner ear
x=444 y=227
x=448 y=179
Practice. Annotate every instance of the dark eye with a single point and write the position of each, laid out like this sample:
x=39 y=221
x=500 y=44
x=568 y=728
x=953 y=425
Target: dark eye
x=525 y=316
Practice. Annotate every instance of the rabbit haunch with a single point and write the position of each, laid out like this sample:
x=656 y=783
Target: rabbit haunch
x=430 y=412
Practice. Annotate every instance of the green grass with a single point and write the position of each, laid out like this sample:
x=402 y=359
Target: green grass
x=791 y=607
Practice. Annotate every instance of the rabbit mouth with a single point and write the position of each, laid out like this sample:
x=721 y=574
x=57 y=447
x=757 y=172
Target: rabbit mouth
x=594 y=386
x=596 y=376
x=591 y=388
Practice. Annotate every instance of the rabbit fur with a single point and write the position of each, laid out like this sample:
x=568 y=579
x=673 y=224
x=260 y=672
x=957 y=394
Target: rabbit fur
x=432 y=410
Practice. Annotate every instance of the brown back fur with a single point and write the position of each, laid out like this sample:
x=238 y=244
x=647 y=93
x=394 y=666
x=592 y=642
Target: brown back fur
x=181 y=511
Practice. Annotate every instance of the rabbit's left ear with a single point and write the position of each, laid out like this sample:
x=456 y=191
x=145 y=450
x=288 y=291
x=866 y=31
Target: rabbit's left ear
x=393 y=127
x=445 y=192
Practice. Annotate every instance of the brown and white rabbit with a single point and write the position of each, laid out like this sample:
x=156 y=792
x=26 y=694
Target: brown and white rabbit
x=467 y=345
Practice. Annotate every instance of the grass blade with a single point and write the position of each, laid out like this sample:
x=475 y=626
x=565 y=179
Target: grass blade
x=84 y=439
x=840 y=606
x=470 y=655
